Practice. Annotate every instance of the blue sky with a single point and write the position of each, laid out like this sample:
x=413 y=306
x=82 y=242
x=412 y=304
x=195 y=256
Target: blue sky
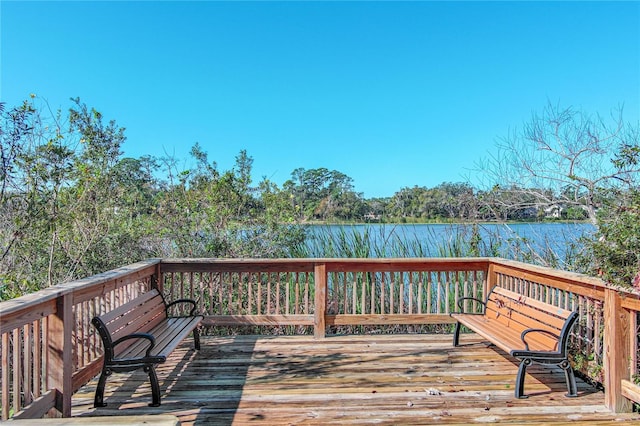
x=393 y=94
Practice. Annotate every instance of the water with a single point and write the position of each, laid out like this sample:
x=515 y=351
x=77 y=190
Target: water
x=543 y=243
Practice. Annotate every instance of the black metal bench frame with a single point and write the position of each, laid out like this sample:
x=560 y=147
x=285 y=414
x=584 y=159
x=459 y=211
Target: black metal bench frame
x=514 y=334
x=141 y=334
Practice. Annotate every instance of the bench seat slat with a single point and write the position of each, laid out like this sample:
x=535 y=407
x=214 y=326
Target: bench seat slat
x=505 y=338
x=542 y=306
x=527 y=314
x=145 y=321
x=128 y=307
x=517 y=322
x=168 y=336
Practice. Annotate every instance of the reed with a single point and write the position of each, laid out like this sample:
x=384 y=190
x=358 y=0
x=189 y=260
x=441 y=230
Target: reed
x=456 y=240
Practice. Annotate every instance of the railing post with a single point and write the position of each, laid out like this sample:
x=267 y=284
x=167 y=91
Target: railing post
x=60 y=352
x=157 y=281
x=320 y=300
x=616 y=351
x=491 y=279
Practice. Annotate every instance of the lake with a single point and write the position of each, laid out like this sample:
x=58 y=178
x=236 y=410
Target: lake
x=524 y=241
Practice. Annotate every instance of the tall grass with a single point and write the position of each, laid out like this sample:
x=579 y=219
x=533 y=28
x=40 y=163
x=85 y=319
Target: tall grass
x=472 y=240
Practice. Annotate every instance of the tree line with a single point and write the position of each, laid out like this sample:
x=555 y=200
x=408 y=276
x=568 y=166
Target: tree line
x=73 y=205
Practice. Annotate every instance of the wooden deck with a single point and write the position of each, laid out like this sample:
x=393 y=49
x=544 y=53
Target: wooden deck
x=381 y=379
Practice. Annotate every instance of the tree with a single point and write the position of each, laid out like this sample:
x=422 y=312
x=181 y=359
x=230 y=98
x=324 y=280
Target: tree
x=614 y=251
x=564 y=155
x=15 y=126
x=324 y=194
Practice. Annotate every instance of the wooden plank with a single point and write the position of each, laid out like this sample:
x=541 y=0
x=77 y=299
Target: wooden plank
x=319 y=318
x=389 y=319
x=110 y=282
x=13 y=318
x=60 y=361
x=84 y=375
x=405 y=264
x=38 y=408
x=234 y=320
x=631 y=302
x=37 y=360
x=528 y=301
x=616 y=350
x=237 y=265
x=572 y=282
x=141 y=420
x=128 y=307
x=505 y=338
x=631 y=391
x=18 y=366
x=356 y=379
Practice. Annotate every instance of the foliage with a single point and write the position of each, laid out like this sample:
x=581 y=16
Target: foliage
x=562 y=156
x=446 y=201
x=324 y=194
x=73 y=205
x=614 y=252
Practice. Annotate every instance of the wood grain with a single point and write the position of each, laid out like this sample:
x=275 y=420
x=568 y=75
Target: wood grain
x=381 y=379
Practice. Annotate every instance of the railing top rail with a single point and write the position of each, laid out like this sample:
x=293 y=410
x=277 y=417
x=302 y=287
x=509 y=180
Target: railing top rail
x=315 y=260
x=569 y=281
x=333 y=264
x=550 y=272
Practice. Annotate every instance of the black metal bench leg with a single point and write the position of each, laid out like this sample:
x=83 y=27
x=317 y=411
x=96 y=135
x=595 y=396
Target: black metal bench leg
x=155 y=387
x=196 y=338
x=572 y=388
x=456 y=335
x=522 y=371
x=98 y=401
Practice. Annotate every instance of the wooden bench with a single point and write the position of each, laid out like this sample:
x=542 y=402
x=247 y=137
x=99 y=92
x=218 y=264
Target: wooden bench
x=141 y=334
x=527 y=329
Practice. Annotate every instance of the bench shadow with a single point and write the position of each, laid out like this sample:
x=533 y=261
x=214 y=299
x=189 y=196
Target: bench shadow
x=542 y=372
x=185 y=376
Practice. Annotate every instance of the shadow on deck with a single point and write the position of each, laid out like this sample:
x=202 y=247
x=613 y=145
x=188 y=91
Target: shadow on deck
x=381 y=379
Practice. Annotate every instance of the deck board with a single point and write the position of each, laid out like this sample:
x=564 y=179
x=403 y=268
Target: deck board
x=381 y=379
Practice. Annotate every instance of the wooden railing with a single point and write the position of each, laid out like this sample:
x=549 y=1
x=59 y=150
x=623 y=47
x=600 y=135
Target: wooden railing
x=49 y=349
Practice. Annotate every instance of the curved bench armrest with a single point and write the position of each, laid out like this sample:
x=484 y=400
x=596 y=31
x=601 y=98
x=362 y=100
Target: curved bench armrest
x=537 y=330
x=179 y=301
x=149 y=337
x=462 y=299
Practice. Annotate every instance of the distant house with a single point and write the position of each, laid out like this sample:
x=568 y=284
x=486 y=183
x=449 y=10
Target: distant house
x=372 y=217
x=553 y=211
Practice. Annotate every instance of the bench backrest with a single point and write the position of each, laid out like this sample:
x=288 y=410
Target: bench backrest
x=520 y=313
x=138 y=315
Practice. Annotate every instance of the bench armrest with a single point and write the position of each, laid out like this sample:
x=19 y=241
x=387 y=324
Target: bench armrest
x=462 y=299
x=537 y=330
x=149 y=337
x=179 y=301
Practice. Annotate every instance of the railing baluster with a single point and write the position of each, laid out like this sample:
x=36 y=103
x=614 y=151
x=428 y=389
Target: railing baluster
x=37 y=359
x=28 y=364
x=17 y=369
x=6 y=374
